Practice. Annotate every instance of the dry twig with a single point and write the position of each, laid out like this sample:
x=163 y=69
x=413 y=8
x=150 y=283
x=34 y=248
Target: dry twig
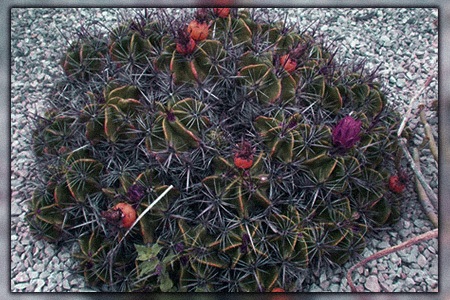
x=410 y=106
x=424 y=200
x=428 y=133
x=415 y=240
x=432 y=196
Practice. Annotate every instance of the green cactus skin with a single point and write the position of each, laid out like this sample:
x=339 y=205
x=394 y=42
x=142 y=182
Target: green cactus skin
x=141 y=116
x=84 y=58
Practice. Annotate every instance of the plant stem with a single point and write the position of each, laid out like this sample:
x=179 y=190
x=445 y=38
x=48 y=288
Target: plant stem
x=415 y=240
x=424 y=200
x=429 y=134
x=146 y=211
x=414 y=99
x=418 y=173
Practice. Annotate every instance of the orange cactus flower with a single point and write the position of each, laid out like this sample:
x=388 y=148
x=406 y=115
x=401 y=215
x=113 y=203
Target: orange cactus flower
x=288 y=63
x=128 y=214
x=222 y=12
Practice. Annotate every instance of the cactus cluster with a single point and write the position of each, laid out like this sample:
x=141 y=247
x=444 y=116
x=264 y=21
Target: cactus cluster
x=279 y=156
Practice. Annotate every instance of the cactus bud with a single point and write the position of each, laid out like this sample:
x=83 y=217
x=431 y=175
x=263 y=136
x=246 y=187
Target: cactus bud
x=346 y=133
x=199 y=28
x=112 y=216
x=179 y=247
x=243 y=158
x=123 y=213
x=245 y=242
x=397 y=183
x=221 y=12
x=135 y=193
x=185 y=43
x=288 y=63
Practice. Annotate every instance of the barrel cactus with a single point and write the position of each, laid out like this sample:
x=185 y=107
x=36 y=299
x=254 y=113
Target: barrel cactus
x=245 y=157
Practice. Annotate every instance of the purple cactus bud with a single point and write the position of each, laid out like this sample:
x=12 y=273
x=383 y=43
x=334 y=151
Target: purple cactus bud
x=158 y=269
x=135 y=192
x=171 y=116
x=179 y=247
x=184 y=260
x=89 y=265
x=292 y=123
x=245 y=241
x=112 y=216
x=346 y=133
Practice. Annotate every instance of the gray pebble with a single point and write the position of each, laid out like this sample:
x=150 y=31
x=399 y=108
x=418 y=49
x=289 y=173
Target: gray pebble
x=383 y=245
x=409 y=282
x=421 y=261
x=434 y=269
x=315 y=288
x=386 y=285
x=39 y=267
x=33 y=274
x=395 y=259
x=21 y=286
x=66 y=284
x=372 y=284
x=44 y=274
x=400 y=82
x=16 y=210
x=22 y=277
x=39 y=284
x=431 y=282
x=334 y=288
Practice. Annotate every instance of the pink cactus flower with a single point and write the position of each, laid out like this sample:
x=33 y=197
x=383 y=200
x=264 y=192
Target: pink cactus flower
x=346 y=133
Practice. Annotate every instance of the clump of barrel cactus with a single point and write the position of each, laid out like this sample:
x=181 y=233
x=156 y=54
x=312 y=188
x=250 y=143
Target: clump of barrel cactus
x=230 y=159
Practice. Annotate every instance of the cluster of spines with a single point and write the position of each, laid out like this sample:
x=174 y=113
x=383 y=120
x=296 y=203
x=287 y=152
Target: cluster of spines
x=278 y=155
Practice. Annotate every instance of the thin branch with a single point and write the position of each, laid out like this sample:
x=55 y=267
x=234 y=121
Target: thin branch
x=428 y=133
x=414 y=99
x=111 y=253
x=415 y=240
x=418 y=173
x=424 y=200
x=146 y=211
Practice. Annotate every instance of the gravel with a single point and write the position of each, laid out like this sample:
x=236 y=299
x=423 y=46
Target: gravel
x=402 y=42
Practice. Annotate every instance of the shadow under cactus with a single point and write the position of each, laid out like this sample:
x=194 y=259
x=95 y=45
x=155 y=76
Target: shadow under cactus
x=280 y=157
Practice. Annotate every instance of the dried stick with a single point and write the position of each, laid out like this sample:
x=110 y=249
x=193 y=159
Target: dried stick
x=419 y=174
x=413 y=99
x=145 y=211
x=424 y=200
x=428 y=133
x=415 y=240
x=113 y=251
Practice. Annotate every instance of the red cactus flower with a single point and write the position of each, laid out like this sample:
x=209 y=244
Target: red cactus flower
x=128 y=214
x=199 y=28
x=288 y=63
x=243 y=158
x=221 y=12
x=185 y=43
x=397 y=183
x=198 y=31
x=346 y=133
x=122 y=213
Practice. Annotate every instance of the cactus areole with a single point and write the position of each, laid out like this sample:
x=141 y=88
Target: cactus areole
x=248 y=156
